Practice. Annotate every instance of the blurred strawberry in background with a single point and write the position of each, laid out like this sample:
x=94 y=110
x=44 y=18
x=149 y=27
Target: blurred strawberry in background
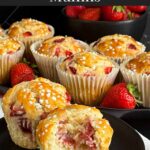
x=113 y=13
x=105 y=13
x=137 y=9
x=92 y=14
x=73 y=11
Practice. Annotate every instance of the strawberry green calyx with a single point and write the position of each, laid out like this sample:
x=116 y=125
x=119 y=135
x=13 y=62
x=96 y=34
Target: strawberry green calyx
x=133 y=90
x=118 y=8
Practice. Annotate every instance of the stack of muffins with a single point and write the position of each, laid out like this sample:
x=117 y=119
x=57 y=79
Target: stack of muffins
x=54 y=49
x=17 y=40
x=39 y=113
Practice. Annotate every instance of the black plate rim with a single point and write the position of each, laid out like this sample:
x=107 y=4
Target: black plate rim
x=126 y=124
x=142 y=146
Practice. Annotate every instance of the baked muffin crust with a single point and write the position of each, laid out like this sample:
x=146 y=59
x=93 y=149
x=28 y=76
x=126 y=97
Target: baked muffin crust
x=87 y=64
x=60 y=46
x=37 y=97
x=27 y=28
x=118 y=46
x=140 y=64
x=8 y=45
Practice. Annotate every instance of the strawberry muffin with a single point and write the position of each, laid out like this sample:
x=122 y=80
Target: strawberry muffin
x=27 y=103
x=87 y=75
x=118 y=47
x=76 y=127
x=49 y=52
x=2 y=32
x=11 y=52
x=30 y=30
x=137 y=71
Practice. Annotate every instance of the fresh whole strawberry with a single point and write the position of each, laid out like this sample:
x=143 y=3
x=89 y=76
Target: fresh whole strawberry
x=121 y=96
x=92 y=14
x=113 y=13
x=137 y=9
x=128 y=15
x=21 y=72
x=73 y=11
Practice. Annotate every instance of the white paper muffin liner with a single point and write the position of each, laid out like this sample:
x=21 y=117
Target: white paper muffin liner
x=30 y=40
x=87 y=90
x=141 y=80
x=7 y=61
x=120 y=60
x=46 y=64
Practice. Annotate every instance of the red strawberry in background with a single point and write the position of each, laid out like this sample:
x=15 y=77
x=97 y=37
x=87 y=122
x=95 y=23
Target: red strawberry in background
x=73 y=11
x=122 y=95
x=92 y=14
x=128 y=15
x=21 y=72
x=113 y=13
x=137 y=9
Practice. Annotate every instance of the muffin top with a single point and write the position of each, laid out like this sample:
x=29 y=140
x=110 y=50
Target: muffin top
x=61 y=46
x=140 y=64
x=35 y=98
x=87 y=64
x=28 y=28
x=8 y=45
x=118 y=46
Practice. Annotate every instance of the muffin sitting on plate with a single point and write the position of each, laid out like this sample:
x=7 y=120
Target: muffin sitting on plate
x=30 y=30
x=11 y=52
x=137 y=71
x=118 y=47
x=76 y=127
x=49 y=52
x=27 y=103
x=87 y=75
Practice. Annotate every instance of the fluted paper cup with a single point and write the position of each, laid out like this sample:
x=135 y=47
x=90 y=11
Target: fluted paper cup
x=7 y=61
x=30 y=40
x=46 y=64
x=87 y=90
x=141 y=80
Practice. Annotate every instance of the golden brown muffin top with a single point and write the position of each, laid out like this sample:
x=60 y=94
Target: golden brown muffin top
x=87 y=64
x=61 y=46
x=27 y=28
x=140 y=64
x=36 y=98
x=8 y=45
x=118 y=46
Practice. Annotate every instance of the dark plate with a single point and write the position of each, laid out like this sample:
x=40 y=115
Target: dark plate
x=124 y=138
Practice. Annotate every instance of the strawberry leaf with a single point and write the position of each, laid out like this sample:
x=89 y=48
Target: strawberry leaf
x=118 y=8
x=133 y=90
